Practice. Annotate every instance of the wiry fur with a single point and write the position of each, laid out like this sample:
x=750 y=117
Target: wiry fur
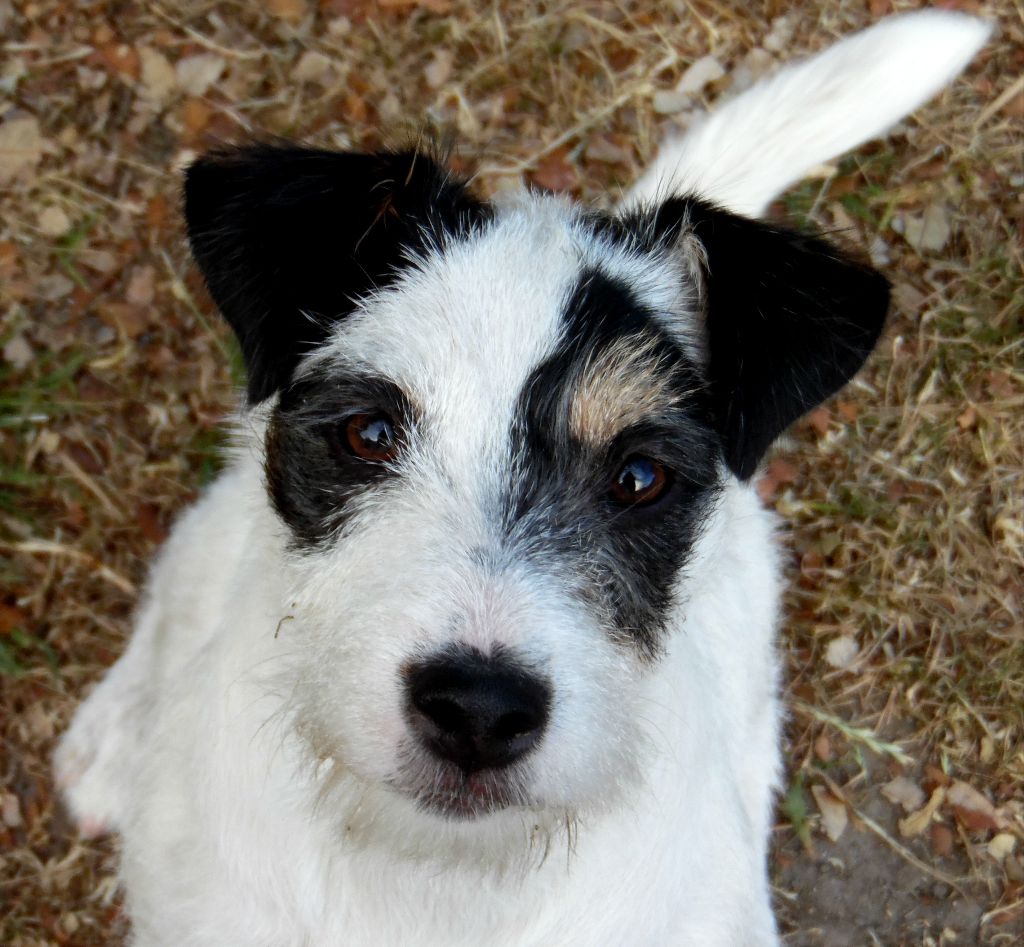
x=623 y=385
x=252 y=745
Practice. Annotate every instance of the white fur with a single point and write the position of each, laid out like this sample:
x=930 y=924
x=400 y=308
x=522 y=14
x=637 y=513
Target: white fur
x=753 y=147
x=245 y=744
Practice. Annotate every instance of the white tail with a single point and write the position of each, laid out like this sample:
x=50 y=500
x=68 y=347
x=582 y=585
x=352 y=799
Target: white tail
x=755 y=146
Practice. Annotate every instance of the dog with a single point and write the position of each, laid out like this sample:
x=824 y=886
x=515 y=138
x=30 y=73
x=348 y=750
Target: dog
x=473 y=639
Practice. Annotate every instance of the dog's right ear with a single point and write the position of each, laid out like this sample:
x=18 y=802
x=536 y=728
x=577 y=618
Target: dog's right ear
x=788 y=319
x=287 y=238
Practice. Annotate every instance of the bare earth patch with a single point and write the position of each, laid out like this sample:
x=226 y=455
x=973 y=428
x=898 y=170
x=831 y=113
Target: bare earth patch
x=903 y=820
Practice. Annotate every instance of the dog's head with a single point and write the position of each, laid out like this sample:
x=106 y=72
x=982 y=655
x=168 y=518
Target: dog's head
x=495 y=435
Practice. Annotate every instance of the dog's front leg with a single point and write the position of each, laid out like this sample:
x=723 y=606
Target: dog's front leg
x=94 y=759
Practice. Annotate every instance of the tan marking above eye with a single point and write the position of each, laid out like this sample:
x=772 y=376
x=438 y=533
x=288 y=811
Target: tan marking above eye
x=623 y=384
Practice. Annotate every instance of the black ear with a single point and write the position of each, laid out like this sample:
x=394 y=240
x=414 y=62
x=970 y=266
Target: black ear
x=790 y=320
x=288 y=237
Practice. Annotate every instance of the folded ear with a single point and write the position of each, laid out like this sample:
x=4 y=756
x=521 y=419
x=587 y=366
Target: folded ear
x=789 y=320
x=288 y=238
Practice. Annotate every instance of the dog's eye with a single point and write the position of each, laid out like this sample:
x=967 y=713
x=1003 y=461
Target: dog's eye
x=640 y=480
x=371 y=437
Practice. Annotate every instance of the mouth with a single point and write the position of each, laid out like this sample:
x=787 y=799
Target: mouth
x=453 y=794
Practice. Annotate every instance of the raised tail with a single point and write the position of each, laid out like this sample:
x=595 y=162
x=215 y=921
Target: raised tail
x=753 y=147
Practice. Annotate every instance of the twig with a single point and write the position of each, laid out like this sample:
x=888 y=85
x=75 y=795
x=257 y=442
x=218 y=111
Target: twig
x=906 y=854
x=588 y=122
x=988 y=916
x=1016 y=88
x=91 y=485
x=857 y=734
x=43 y=547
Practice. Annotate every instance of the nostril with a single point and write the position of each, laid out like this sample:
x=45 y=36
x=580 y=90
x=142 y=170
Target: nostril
x=446 y=713
x=512 y=725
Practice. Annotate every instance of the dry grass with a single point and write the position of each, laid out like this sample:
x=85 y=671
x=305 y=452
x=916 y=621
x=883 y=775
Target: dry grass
x=903 y=497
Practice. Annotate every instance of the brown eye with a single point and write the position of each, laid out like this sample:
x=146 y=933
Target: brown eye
x=639 y=480
x=371 y=437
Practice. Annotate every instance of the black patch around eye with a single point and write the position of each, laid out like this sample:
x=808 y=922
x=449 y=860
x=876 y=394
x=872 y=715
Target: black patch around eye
x=625 y=559
x=311 y=478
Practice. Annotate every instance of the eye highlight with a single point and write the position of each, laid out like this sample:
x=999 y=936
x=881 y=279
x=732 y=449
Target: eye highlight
x=640 y=480
x=372 y=437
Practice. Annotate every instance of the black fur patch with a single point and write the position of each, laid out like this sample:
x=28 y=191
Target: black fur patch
x=789 y=319
x=287 y=237
x=627 y=558
x=312 y=477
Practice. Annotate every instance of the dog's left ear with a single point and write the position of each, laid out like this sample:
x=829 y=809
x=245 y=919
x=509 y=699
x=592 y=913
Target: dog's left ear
x=789 y=321
x=288 y=238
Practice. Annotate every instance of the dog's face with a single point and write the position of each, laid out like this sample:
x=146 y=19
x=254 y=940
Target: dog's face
x=495 y=436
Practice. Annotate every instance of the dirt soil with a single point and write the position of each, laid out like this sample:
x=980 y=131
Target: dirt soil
x=902 y=821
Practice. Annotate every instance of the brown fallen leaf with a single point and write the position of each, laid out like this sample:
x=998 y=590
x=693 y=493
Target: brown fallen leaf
x=917 y=822
x=120 y=59
x=833 y=812
x=150 y=523
x=841 y=652
x=141 y=285
x=10 y=810
x=819 y=420
x=195 y=74
x=18 y=352
x=1001 y=846
x=1014 y=868
x=313 y=66
x=21 y=146
x=607 y=150
x=195 y=115
x=440 y=7
x=964 y=6
x=941 y=838
x=291 y=11
x=54 y=286
x=157 y=75
x=555 y=173
x=86 y=458
x=933 y=776
x=11 y=618
x=1000 y=384
x=439 y=70
x=903 y=791
x=129 y=318
x=779 y=473
x=1007 y=915
x=156 y=212
x=355 y=11
x=974 y=811
x=53 y=222
x=848 y=411
x=1014 y=107
x=930 y=230
x=8 y=256
x=968 y=419
x=354 y=108
x=908 y=298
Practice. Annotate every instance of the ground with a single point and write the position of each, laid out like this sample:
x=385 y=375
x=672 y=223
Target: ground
x=903 y=817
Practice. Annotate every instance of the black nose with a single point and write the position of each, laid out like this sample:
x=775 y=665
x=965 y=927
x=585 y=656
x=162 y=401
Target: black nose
x=480 y=712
